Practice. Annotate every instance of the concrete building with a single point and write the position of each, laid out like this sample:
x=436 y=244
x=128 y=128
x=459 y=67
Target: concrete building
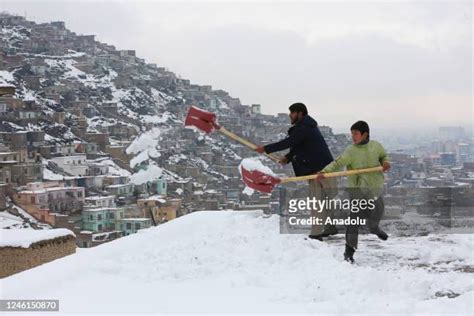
x=74 y=165
x=43 y=199
x=132 y=225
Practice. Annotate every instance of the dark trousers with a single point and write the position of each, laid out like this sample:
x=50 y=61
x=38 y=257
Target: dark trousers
x=326 y=188
x=372 y=217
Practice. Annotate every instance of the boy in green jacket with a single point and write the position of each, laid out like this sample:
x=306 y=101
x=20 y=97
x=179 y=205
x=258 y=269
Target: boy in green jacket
x=363 y=153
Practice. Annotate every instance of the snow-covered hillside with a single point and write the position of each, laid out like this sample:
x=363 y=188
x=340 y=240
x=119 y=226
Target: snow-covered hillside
x=239 y=262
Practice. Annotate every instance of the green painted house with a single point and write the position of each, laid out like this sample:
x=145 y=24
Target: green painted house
x=132 y=225
x=101 y=219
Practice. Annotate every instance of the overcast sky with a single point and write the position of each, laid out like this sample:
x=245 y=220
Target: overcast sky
x=399 y=66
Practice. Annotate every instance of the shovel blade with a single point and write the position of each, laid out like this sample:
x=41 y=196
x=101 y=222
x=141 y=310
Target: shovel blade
x=258 y=180
x=203 y=120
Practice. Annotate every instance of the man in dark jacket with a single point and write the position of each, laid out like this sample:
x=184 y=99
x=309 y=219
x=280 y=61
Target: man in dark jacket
x=308 y=154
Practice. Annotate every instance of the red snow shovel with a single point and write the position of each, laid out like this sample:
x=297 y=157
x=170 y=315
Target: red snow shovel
x=263 y=182
x=206 y=122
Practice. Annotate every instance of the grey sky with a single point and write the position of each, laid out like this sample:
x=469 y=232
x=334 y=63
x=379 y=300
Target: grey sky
x=395 y=65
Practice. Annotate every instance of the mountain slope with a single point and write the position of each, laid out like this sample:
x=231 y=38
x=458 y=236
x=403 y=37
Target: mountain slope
x=239 y=262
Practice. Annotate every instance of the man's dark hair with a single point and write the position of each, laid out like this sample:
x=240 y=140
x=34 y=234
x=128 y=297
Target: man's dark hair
x=361 y=126
x=299 y=107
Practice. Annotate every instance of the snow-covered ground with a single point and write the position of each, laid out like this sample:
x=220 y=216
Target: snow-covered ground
x=238 y=262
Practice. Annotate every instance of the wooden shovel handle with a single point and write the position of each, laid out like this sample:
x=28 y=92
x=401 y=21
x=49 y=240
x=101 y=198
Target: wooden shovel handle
x=333 y=174
x=245 y=142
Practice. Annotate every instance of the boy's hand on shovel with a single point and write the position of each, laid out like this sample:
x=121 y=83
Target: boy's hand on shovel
x=283 y=160
x=386 y=166
x=320 y=176
x=260 y=149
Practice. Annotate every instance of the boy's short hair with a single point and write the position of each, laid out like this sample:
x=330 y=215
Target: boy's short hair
x=298 y=107
x=361 y=126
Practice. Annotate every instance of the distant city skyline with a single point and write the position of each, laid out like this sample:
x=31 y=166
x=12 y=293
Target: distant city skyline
x=403 y=67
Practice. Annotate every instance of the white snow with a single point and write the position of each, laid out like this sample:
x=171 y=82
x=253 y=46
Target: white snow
x=29 y=95
x=200 y=263
x=146 y=140
x=50 y=175
x=10 y=220
x=114 y=169
x=138 y=159
x=161 y=98
x=252 y=164
x=144 y=146
x=156 y=119
x=25 y=237
x=66 y=64
x=6 y=77
x=151 y=173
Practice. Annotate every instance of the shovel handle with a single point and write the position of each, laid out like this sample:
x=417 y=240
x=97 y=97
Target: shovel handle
x=245 y=142
x=333 y=174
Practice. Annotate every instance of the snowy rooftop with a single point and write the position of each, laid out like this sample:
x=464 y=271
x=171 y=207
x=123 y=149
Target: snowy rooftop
x=98 y=198
x=135 y=219
x=100 y=209
x=25 y=237
x=200 y=263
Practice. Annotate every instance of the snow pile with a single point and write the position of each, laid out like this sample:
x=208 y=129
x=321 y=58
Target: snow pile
x=216 y=268
x=25 y=237
x=6 y=78
x=151 y=173
x=145 y=146
x=252 y=164
x=156 y=119
x=10 y=220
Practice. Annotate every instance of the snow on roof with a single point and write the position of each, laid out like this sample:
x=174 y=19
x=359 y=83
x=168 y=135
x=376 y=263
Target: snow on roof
x=9 y=161
x=100 y=209
x=135 y=219
x=158 y=198
x=25 y=237
x=98 y=198
x=53 y=189
x=114 y=186
x=50 y=175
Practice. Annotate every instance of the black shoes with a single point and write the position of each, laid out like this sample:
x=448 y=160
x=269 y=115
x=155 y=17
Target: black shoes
x=329 y=231
x=349 y=254
x=317 y=237
x=380 y=233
